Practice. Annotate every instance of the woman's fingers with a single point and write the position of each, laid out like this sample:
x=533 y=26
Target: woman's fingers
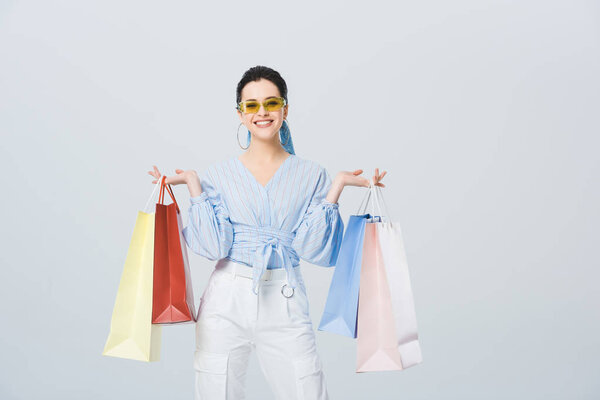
x=378 y=177
x=152 y=173
x=155 y=173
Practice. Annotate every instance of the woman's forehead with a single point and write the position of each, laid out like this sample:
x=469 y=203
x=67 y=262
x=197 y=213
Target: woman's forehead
x=259 y=90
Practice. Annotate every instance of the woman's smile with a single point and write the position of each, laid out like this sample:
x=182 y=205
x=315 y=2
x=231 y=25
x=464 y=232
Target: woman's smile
x=264 y=123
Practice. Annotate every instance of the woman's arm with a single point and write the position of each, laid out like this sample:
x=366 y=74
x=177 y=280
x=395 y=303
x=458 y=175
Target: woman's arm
x=319 y=235
x=193 y=183
x=209 y=232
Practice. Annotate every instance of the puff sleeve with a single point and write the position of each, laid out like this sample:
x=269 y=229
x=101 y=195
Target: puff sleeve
x=209 y=232
x=319 y=235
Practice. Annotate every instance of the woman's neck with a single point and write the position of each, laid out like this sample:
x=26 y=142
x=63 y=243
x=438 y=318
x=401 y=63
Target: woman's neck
x=264 y=152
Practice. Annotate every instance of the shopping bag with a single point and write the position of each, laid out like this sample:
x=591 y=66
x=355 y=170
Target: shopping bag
x=341 y=306
x=132 y=334
x=393 y=253
x=376 y=348
x=387 y=330
x=173 y=297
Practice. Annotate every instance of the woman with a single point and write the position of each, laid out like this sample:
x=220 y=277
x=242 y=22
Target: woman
x=258 y=214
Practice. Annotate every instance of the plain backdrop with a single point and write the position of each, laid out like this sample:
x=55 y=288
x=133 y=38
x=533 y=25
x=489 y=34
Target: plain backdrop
x=484 y=113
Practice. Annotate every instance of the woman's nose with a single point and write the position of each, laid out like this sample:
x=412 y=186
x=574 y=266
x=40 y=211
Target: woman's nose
x=262 y=110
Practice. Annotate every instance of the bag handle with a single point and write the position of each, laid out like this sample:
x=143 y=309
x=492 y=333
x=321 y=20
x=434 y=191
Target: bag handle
x=156 y=186
x=378 y=194
x=387 y=212
x=161 y=198
x=374 y=202
x=360 y=208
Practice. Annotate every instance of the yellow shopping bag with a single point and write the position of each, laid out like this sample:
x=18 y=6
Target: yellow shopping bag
x=132 y=334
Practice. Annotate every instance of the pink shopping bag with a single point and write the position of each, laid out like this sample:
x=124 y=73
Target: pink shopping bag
x=376 y=332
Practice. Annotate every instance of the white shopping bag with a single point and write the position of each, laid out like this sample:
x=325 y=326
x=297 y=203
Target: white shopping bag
x=393 y=253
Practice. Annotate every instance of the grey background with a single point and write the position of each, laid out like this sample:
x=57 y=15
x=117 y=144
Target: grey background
x=484 y=114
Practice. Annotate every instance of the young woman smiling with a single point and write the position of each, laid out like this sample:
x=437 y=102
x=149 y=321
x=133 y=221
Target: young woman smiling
x=259 y=214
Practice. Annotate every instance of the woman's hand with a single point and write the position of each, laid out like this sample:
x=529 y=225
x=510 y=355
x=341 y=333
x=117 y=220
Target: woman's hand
x=348 y=178
x=189 y=177
x=182 y=177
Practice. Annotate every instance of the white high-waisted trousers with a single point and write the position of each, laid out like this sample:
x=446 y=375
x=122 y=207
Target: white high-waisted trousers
x=232 y=320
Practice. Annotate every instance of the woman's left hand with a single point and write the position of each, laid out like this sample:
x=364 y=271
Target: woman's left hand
x=348 y=178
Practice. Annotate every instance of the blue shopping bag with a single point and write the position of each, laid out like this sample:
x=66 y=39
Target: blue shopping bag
x=341 y=308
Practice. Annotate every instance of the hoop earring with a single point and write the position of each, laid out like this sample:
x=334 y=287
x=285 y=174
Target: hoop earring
x=238 y=137
x=288 y=136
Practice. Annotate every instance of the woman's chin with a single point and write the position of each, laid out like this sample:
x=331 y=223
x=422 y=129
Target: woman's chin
x=264 y=136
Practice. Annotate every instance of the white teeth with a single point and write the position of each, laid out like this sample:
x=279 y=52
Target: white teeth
x=263 y=122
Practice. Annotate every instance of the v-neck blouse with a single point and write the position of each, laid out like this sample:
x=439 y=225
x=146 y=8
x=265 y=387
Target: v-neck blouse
x=265 y=227
x=272 y=177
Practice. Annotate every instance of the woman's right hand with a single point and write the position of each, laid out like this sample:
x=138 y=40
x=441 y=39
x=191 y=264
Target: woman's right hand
x=182 y=177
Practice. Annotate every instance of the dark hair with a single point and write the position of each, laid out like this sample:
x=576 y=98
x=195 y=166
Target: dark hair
x=255 y=74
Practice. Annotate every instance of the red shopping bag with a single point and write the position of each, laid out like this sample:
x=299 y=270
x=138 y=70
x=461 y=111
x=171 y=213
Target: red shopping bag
x=172 y=296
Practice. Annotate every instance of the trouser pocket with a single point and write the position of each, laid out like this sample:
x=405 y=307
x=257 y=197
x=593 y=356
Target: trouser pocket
x=310 y=379
x=298 y=307
x=211 y=375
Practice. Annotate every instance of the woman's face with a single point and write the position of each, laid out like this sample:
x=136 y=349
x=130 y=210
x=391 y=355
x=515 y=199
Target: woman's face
x=261 y=90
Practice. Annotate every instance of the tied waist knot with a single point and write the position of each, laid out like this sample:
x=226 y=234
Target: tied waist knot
x=267 y=241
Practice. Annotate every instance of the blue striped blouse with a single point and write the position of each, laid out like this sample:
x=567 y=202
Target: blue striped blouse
x=265 y=227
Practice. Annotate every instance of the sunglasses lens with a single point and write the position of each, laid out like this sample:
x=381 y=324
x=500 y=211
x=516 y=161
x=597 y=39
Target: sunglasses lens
x=274 y=104
x=251 y=106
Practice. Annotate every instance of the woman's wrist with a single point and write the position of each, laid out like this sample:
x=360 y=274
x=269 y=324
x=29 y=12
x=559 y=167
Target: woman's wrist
x=193 y=183
x=336 y=190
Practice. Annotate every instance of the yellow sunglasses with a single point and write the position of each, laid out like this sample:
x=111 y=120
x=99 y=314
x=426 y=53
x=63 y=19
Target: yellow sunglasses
x=252 y=106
